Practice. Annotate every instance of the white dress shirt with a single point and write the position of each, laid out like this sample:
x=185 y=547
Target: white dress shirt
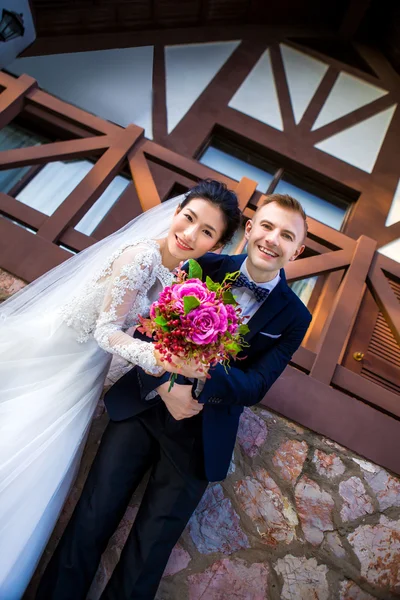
x=245 y=297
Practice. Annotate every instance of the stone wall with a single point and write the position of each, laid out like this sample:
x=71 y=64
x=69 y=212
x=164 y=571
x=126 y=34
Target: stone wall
x=9 y=285
x=298 y=518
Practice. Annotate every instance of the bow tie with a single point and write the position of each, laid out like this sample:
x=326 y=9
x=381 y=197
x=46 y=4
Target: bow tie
x=259 y=292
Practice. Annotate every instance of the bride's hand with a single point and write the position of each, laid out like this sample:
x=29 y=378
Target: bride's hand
x=190 y=369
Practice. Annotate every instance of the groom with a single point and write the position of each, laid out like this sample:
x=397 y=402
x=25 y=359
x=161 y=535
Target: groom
x=185 y=440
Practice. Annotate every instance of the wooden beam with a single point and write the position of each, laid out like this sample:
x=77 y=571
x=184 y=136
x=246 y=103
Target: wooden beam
x=76 y=240
x=303 y=358
x=321 y=311
x=318 y=100
x=314 y=265
x=143 y=180
x=299 y=151
x=182 y=165
x=328 y=236
x=244 y=191
x=21 y=212
x=75 y=115
x=126 y=208
x=345 y=308
x=282 y=89
x=356 y=385
x=380 y=65
x=59 y=44
x=12 y=99
x=159 y=106
x=192 y=131
x=46 y=153
x=25 y=254
x=92 y=186
x=352 y=118
x=337 y=64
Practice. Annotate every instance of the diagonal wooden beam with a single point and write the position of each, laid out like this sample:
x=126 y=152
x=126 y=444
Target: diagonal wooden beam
x=352 y=118
x=91 y=187
x=380 y=65
x=143 y=179
x=328 y=236
x=385 y=297
x=13 y=98
x=314 y=265
x=389 y=265
x=336 y=63
x=282 y=89
x=318 y=100
x=345 y=308
x=45 y=153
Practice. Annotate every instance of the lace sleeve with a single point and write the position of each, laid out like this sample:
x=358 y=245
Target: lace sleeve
x=131 y=271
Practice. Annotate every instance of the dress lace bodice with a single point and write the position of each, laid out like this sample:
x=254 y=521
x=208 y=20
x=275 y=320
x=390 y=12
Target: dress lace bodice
x=124 y=288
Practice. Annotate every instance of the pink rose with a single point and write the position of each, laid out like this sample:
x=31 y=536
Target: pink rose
x=207 y=323
x=192 y=287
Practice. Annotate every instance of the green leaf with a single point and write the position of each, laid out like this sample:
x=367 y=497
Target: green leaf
x=195 y=270
x=231 y=277
x=189 y=303
x=228 y=298
x=233 y=347
x=162 y=322
x=243 y=329
x=211 y=285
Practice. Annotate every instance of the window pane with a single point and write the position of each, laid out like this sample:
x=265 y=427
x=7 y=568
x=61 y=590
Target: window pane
x=12 y=137
x=316 y=207
x=235 y=168
x=304 y=288
x=51 y=186
x=231 y=246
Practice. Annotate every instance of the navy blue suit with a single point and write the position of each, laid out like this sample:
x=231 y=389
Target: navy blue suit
x=183 y=456
x=276 y=331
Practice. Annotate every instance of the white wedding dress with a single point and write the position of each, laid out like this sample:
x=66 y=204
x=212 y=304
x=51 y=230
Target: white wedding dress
x=46 y=408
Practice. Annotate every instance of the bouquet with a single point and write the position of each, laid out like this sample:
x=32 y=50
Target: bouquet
x=196 y=320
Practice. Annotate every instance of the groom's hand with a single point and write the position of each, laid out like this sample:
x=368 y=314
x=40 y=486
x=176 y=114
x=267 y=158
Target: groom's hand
x=179 y=401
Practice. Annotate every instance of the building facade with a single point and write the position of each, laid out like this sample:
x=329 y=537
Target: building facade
x=88 y=141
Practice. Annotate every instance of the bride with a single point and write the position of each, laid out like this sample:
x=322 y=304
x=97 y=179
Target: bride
x=57 y=337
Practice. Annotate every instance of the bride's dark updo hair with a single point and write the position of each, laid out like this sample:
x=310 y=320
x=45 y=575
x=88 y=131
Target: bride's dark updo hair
x=218 y=194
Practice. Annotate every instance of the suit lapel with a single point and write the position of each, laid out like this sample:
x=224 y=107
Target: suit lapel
x=276 y=301
x=229 y=265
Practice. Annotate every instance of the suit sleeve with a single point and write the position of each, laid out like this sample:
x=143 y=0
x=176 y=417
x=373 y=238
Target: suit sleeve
x=247 y=387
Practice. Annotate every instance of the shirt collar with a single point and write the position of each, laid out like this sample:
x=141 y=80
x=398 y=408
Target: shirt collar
x=267 y=285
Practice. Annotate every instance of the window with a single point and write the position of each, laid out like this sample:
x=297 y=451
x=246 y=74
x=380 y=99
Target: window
x=45 y=187
x=321 y=202
x=12 y=137
x=51 y=186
